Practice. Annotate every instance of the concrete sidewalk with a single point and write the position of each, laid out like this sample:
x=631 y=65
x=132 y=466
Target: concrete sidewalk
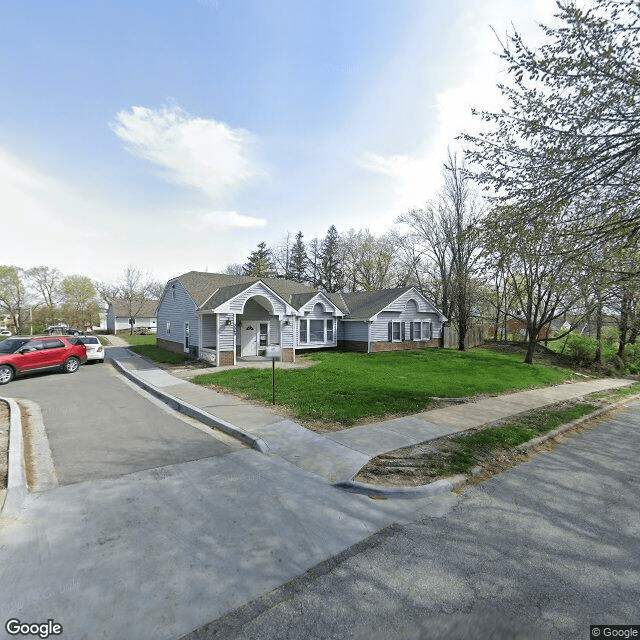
x=337 y=456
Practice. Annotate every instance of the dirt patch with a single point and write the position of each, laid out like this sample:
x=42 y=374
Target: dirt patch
x=423 y=463
x=4 y=443
x=27 y=438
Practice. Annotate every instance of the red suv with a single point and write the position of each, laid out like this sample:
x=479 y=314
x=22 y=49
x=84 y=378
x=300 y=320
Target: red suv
x=22 y=355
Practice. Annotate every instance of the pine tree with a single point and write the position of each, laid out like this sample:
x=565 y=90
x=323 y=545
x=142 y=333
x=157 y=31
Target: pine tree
x=260 y=263
x=299 y=262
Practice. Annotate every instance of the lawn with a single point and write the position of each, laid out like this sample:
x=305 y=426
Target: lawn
x=346 y=388
x=146 y=346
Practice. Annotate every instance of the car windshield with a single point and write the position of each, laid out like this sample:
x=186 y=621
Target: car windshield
x=10 y=345
x=89 y=341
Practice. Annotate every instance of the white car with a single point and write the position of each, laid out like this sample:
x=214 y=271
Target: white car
x=95 y=350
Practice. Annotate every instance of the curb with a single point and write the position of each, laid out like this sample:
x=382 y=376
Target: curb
x=193 y=412
x=454 y=482
x=16 y=476
x=530 y=444
x=445 y=485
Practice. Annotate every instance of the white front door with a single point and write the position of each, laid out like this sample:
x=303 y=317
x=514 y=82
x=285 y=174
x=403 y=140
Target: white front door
x=249 y=338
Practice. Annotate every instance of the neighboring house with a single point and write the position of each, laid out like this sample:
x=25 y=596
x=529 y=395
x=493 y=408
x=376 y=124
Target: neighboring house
x=221 y=318
x=143 y=313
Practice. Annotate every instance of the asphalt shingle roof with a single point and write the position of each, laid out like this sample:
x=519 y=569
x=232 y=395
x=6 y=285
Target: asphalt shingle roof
x=139 y=308
x=201 y=286
x=366 y=304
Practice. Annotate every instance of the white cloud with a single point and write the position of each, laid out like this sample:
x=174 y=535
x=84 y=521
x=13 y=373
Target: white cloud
x=214 y=219
x=413 y=179
x=194 y=152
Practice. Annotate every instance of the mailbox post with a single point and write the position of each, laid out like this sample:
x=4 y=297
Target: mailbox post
x=275 y=353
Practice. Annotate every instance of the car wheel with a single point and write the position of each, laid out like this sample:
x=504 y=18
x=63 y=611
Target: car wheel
x=6 y=374
x=71 y=365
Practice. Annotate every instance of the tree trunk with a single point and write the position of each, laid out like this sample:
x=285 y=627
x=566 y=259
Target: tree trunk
x=624 y=325
x=531 y=346
x=598 y=355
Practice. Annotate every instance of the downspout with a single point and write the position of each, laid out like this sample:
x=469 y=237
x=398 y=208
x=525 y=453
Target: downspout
x=200 y=321
x=233 y=335
x=368 y=323
x=217 y=339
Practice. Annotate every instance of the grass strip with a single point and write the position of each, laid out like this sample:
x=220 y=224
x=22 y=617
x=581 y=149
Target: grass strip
x=468 y=451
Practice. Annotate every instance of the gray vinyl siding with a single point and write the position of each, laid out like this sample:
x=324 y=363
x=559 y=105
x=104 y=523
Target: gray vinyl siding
x=227 y=332
x=240 y=300
x=354 y=330
x=380 y=328
x=314 y=311
x=208 y=330
x=177 y=310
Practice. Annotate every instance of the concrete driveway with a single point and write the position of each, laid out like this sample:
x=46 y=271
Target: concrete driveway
x=101 y=426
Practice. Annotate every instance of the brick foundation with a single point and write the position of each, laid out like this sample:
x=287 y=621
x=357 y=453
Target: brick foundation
x=352 y=345
x=226 y=358
x=404 y=346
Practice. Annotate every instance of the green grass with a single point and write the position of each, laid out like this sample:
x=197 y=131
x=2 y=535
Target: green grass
x=138 y=340
x=346 y=388
x=157 y=354
x=616 y=394
x=146 y=346
x=467 y=452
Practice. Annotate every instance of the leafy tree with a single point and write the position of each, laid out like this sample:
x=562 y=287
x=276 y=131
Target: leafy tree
x=570 y=133
x=542 y=275
x=79 y=306
x=260 y=263
x=13 y=294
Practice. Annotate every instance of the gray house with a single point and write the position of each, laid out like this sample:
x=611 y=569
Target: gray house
x=221 y=318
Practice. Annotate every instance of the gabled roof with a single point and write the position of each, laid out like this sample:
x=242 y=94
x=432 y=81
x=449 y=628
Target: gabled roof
x=364 y=305
x=213 y=289
x=140 y=308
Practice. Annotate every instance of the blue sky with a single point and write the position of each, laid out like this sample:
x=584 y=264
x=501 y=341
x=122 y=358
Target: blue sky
x=177 y=135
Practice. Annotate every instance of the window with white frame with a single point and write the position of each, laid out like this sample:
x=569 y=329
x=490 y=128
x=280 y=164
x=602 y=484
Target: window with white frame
x=395 y=331
x=168 y=328
x=421 y=330
x=316 y=331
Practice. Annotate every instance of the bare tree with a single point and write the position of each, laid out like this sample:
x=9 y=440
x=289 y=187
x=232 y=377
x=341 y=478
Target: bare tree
x=447 y=233
x=46 y=281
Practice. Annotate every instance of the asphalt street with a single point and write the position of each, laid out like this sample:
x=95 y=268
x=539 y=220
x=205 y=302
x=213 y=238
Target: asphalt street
x=541 y=551
x=100 y=426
